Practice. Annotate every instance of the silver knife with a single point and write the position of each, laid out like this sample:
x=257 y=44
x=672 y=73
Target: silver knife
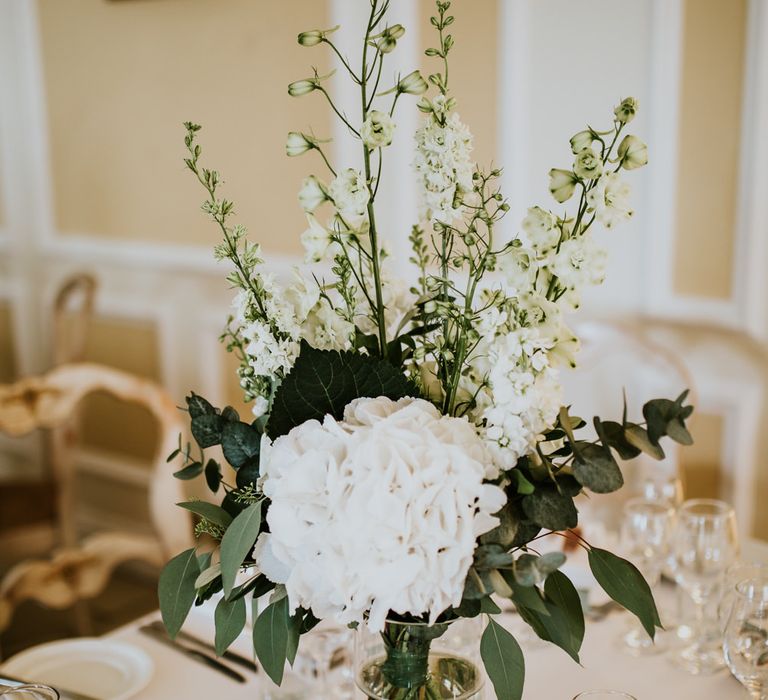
x=192 y=653
x=231 y=656
x=65 y=694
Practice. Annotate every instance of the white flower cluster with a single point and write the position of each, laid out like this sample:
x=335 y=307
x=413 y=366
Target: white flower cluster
x=378 y=512
x=443 y=162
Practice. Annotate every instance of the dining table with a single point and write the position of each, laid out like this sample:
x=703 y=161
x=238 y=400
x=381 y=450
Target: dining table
x=550 y=674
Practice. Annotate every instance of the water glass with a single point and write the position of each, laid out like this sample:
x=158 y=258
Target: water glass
x=705 y=546
x=646 y=534
x=31 y=691
x=746 y=637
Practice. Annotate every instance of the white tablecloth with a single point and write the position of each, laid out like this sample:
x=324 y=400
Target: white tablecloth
x=550 y=674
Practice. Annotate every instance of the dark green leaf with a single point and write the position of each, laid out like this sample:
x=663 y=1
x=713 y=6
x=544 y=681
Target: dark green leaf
x=525 y=571
x=568 y=485
x=189 y=472
x=625 y=584
x=503 y=660
x=213 y=475
x=229 y=620
x=248 y=473
x=237 y=543
x=176 y=590
x=678 y=432
x=637 y=436
x=209 y=511
x=198 y=406
x=474 y=586
x=550 y=509
x=595 y=468
x=240 y=442
x=295 y=623
x=504 y=533
x=206 y=430
x=526 y=531
x=565 y=605
x=523 y=485
x=270 y=638
x=612 y=434
x=549 y=563
x=492 y=556
x=232 y=506
x=527 y=597
x=488 y=607
x=230 y=414
x=323 y=382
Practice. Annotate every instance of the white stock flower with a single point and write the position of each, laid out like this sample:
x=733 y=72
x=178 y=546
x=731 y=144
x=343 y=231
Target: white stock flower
x=580 y=261
x=609 y=199
x=315 y=240
x=377 y=513
x=518 y=265
x=312 y=194
x=324 y=329
x=350 y=195
x=443 y=163
x=632 y=152
x=562 y=184
x=541 y=228
x=378 y=129
x=588 y=165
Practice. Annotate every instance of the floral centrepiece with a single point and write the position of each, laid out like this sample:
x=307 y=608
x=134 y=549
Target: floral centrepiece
x=409 y=442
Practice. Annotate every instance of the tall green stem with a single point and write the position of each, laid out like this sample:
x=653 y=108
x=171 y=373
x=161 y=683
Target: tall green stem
x=372 y=232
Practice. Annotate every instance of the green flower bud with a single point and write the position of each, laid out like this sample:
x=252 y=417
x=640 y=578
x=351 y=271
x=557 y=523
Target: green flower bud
x=633 y=153
x=626 y=110
x=298 y=144
x=562 y=184
x=581 y=141
x=413 y=84
x=588 y=165
x=315 y=36
x=302 y=87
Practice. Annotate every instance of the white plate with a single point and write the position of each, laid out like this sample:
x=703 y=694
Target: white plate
x=102 y=668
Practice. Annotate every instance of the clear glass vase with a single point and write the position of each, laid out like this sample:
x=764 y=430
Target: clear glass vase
x=416 y=661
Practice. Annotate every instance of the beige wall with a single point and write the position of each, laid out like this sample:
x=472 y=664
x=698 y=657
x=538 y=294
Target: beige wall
x=121 y=77
x=709 y=132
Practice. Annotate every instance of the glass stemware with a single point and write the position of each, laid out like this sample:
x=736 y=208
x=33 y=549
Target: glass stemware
x=603 y=695
x=646 y=534
x=705 y=546
x=746 y=637
x=31 y=691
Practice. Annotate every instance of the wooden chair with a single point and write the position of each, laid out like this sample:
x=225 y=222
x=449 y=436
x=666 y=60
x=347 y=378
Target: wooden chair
x=80 y=571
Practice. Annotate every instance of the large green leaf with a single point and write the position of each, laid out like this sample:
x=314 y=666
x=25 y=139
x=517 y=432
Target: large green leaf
x=229 y=620
x=566 y=613
x=270 y=638
x=625 y=584
x=209 y=511
x=237 y=542
x=198 y=406
x=176 y=590
x=213 y=475
x=239 y=442
x=323 y=382
x=206 y=429
x=611 y=434
x=637 y=436
x=549 y=508
x=503 y=660
x=595 y=468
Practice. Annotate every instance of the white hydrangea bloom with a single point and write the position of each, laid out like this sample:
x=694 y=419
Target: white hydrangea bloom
x=579 y=262
x=350 y=195
x=379 y=512
x=609 y=199
x=443 y=162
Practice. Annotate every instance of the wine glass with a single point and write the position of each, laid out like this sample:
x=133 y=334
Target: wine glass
x=705 y=545
x=746 y=637
x=646 y=533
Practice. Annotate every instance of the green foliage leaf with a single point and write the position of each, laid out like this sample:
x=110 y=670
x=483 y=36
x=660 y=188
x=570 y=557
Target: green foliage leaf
x=595 y=468
x=665 y=417
x=229 y=620
x=176 y=590
x=492 y=556
x=237 y=542
x=198 y=406
x=248 y=473
x=625 y=584
x=230 y=414
x=270 y=638
x=612 y=435
x=209 y=511
x=504 y=533
x=523 y=486
x=206 y=430
x=323 y=382
x=636 y=435
x=239 y=442
x=550 y=509
x=503 y=660
x=190 y=471
x=213 y=475
x=566 y=613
